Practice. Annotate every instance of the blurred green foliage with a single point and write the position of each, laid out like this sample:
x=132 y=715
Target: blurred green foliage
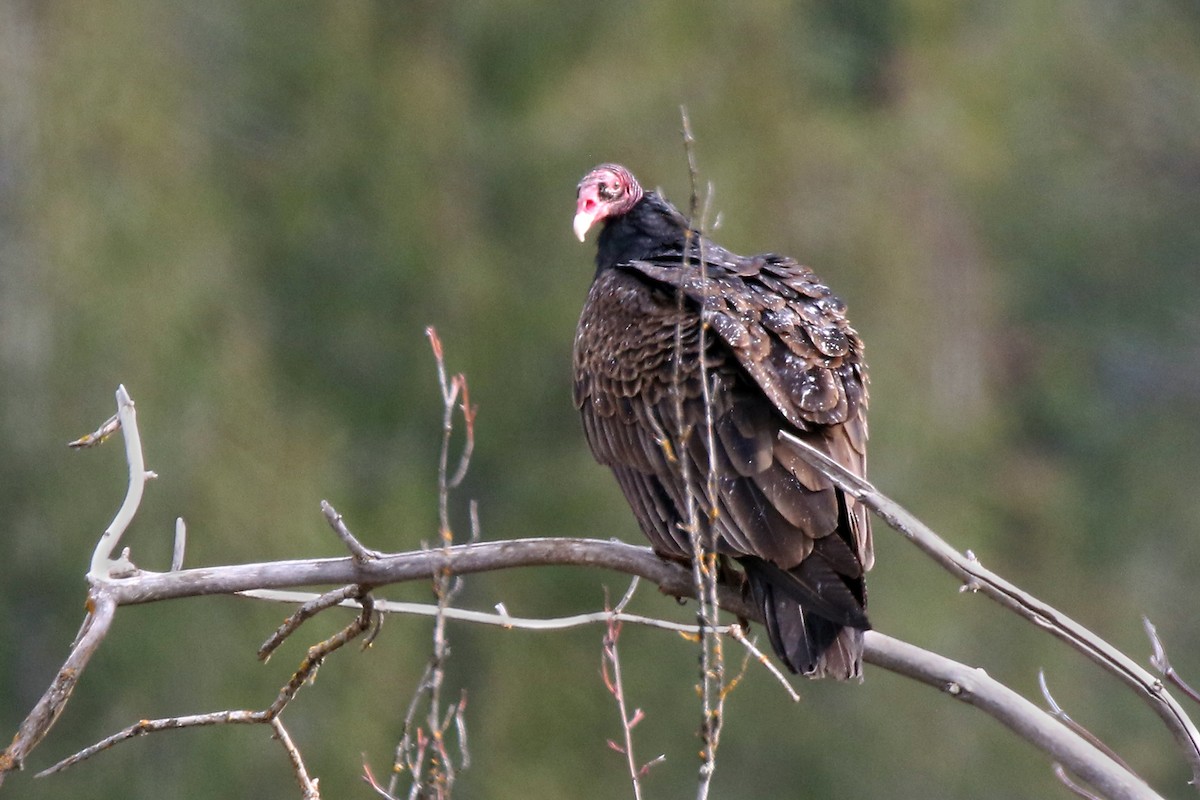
x=248 y=212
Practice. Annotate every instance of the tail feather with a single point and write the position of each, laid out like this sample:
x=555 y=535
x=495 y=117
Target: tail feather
x=808 y=643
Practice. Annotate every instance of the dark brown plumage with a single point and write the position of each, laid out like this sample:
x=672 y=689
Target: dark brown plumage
x=780 y=356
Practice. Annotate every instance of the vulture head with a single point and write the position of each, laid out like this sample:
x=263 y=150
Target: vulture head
x=609 y=190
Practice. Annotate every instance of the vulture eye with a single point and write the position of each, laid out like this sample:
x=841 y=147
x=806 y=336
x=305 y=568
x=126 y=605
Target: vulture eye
x=607 y=191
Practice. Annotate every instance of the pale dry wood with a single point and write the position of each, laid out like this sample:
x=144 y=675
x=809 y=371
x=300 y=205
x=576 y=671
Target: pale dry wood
x=1016 y=713
x=977 y=578
x=43 y=716
x=103 y=564
x=1080 y=757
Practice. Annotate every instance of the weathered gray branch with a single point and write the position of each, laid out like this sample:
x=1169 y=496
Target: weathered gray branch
x=43 y=716
x=973 y=686
x=368 y=569
x=957 y=680
x=103 y=563
x=976 y=577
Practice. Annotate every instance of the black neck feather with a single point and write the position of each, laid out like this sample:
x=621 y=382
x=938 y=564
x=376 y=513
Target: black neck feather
x=652 y=228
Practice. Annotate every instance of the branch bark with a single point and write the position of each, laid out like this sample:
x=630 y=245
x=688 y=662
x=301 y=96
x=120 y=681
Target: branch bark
x=43 y=716
x=957 y=680
x=977 y=578
x=126 y=585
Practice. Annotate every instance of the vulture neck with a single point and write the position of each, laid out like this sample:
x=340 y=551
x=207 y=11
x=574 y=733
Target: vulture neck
x=650 y=229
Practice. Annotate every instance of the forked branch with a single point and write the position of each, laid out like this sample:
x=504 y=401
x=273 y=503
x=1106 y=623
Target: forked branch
x=367 y=569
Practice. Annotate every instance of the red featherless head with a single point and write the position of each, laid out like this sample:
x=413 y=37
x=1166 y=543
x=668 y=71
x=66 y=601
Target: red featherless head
x=607 y=191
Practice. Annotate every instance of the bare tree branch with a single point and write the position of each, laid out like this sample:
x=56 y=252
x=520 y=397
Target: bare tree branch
x=270 y=715
x=958 y=681
x=974 y=687
x=356 y=548
x=102 y=607
x=103 y=565
x=1062 y=716
x=307 y=785
x=1065 y=746
x=977 y=578
x=506 y=620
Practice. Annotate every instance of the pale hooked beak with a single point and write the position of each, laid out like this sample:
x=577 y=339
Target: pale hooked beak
x=583 y=221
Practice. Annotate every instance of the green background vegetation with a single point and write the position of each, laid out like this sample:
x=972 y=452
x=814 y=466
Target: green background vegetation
x=248 y=213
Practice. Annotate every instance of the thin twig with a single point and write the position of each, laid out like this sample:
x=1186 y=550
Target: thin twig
x=464 y=458
x=417 y=743
x=1060 y=772
x=98 y=436
x=705 y=561
x=445 y=585
x=503 y=619
x=737 y=634
x=308 y=785
x=409 y=757
x=730 y=685
x=610 y=671
x=460 y=729
x=473 y=515
x=1159 y=660
x=310 y=609
x=317 y=654
x=357 y=550
x=142 y=727
x=1062 y=716
x=304 y=673
x=369 y=779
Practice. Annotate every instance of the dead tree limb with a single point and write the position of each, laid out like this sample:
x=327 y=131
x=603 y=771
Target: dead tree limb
x=976 y=578
x=126 y=585
x=973 y=686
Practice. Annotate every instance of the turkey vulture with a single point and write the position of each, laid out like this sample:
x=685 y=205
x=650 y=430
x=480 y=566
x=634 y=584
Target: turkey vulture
x=779 y=356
